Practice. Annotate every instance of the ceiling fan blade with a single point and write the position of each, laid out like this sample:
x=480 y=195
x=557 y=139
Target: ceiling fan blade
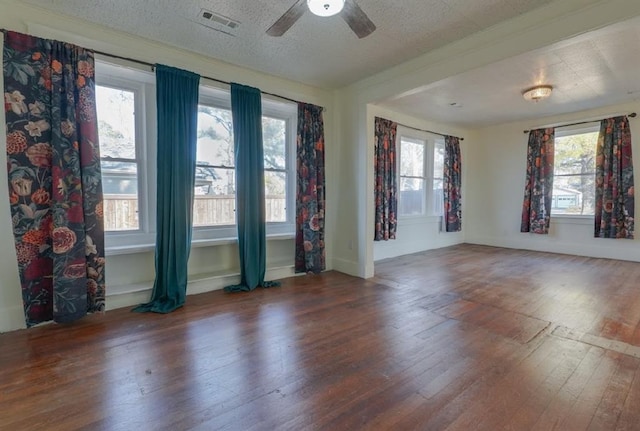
x=289 y=18
x=357 y=19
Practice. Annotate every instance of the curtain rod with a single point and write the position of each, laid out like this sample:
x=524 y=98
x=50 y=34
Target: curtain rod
x=425 y=130
x=152 y=66
x=632 y=115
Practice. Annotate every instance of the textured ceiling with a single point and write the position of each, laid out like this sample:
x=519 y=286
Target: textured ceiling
x=596 y=69
x=316 y=51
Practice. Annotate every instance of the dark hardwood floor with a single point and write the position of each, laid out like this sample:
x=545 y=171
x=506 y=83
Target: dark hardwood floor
x=463 y=338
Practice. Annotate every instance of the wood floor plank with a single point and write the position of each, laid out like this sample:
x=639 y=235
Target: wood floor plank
x=562 y=402
x=462 y=338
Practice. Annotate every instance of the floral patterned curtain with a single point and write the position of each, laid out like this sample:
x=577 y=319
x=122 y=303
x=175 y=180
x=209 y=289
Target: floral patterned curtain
x=386 y=187
x=310 y=197
x=614 y=180
x=538 y=189
x=452 y=185
x=55 y=186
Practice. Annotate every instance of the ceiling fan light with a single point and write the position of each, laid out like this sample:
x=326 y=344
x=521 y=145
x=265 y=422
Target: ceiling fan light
x=538 y=92
x=325 y=7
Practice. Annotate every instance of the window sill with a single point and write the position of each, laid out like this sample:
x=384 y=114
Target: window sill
x=145 y=248
x=572 y=219
x=419 y=219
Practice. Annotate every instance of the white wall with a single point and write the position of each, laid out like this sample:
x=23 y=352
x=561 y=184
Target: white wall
x=130 y=277
x=424 y=233
x=498 y=163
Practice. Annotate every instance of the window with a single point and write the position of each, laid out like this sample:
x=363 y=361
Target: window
x=412 y=177
x=215 y=189
x=274 y=136
x=574 y=172
x=125 y=100
x=120 y=166
x=438 y=178
x=126 y=108
x=214 y=203
x=421 y=175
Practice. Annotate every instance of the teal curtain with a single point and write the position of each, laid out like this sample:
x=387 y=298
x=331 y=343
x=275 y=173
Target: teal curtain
x=177 y=101
x=246 y=110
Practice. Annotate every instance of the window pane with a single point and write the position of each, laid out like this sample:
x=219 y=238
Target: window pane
x=120 y=188
x=411 y=159
x=438 y=197
x=438 y=161
x=575 y=154
x=274 y=139
x=276 y=196
x=116 y=122
x=574 y=195
x=574 y=177
x=215 y=137
x=411 y=196
x=215 y=197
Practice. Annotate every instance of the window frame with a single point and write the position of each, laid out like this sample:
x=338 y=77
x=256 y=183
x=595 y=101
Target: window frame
x=142 y=84
x=437 y=142
x=288 y=112
x=122 y=75
x=561 y=132
x=430 y=143
x=221 y=99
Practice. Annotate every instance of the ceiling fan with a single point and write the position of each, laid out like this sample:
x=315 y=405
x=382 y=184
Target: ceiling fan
x=348 y=10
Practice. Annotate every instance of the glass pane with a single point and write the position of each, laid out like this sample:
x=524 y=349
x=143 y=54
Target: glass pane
x=274 y=138
x=411 y=196
x=574 y=170
x=438 y=161
x=120 y=188
x=573 y=195
x=276 y=196
x=411 y=159
x=438 y=197
x=116 y=122
x=215 y=197
x=215 y=137
x=575 y=154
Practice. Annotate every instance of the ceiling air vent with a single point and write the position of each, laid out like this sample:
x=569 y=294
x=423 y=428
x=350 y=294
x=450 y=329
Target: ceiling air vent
x=219 y=21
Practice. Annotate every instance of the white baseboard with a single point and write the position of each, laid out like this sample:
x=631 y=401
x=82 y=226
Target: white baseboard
x=346 y=266
x=132 y=295
x=604 y=248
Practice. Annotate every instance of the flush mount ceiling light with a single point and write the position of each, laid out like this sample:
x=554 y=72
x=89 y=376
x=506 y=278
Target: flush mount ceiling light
x=538 y=92
x=325 y=7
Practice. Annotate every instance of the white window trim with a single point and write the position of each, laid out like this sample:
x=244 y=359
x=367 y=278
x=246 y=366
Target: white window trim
x=143 y=85
x=430 y=141
x=219 y=98
x=289 y=113
x=561 y=132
